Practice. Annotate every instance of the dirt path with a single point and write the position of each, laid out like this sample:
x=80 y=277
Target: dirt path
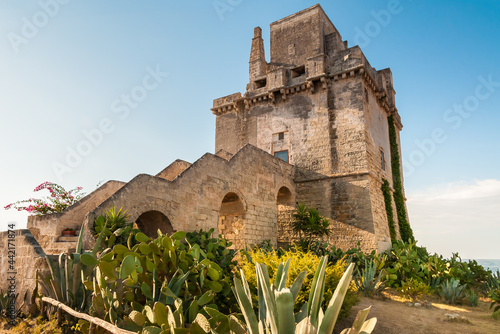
x=396 y=317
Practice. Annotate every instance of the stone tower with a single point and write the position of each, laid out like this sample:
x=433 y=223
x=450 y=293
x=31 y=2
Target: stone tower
x=320 y=106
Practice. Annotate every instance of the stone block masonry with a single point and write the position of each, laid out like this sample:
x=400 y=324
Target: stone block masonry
x=29 y=258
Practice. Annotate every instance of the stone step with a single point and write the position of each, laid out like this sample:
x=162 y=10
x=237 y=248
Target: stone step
x=60 y=248
x=67 y=239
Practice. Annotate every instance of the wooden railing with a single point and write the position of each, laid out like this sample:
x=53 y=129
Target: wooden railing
x=94 y=322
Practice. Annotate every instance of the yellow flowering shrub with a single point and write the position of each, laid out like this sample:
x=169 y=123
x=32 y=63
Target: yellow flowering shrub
x=300 y=261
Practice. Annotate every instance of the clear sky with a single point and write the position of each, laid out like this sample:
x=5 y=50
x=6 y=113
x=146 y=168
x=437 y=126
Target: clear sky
x=67 y=67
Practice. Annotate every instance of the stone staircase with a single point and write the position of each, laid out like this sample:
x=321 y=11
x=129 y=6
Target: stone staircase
x=63 y=244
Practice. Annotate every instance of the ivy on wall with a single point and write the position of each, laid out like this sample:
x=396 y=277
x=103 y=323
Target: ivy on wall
x=404 y=225
x=386 y=190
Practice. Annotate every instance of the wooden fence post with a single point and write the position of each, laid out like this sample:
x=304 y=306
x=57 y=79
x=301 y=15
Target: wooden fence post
x=43 y=309
x=59 y=316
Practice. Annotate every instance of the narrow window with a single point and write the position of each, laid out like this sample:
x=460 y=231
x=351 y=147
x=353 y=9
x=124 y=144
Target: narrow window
x=382 y=159
x=260 y=83
x=298 y=71
x=281 y=136
x=283 y=155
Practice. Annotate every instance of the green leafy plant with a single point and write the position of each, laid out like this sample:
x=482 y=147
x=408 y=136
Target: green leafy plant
x=397 y=181
x=367 y=280
x=320 y=248
x=472 y=297
x=276 y=303
x=114 y=227
x=215 y=322
x=58 y=200
x=7 y=299
x=495 y=297
x=413 y=289
x=145 y=284
x=309 y=223
x=492 y=282
x=406 y=261
x=64 y=283
x=218 y=251
x=451 y=291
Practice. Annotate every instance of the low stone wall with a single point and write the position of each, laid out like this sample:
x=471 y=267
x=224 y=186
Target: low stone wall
x=196 y=198
x=19 y=270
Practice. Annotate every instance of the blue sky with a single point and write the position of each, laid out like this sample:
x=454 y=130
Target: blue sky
x=67 y=67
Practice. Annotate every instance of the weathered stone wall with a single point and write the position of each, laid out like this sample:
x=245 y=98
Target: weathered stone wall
x=295 y=37
x=47 y=228
x=173 y=170
x=193 y=200
x=29 y=257
x=345 y=237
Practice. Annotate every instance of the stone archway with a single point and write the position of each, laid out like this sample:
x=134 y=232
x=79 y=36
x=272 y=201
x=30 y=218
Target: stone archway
x=285 y=208
x=151 y=221
x=231 y=220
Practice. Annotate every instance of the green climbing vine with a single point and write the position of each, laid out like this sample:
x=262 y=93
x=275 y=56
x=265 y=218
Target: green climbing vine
x=386 y=190
x=404 y=225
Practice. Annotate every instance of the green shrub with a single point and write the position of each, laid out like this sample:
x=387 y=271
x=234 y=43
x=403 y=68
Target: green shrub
x=492 y=282
x=217 y=250
x=310 y=224
x=118 y=229
x=300 y=261
x=154 y=280
x=397 y=181
x=451 y=291
x=407 y=261
x=413 y=289
x=367 y=281
x=472 y=297
x=495 y=297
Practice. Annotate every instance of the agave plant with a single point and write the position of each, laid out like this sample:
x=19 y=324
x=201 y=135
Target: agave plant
x=366 y=281
x=452 y=291
x=276 y=304
x=65 y=281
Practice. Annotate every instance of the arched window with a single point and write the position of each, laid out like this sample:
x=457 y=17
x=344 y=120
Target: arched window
x=231 y=220
x=151 y=221
x=286 y=207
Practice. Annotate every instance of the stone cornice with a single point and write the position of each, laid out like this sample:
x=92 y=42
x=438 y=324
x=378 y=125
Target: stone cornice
x=331 y=176
x=251 y=99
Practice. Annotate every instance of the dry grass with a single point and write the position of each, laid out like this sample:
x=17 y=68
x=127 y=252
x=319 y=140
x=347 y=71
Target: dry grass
x=394 y=316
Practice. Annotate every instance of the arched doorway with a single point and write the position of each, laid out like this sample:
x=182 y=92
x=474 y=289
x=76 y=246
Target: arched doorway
x=231 y=220
x=286 y=207
x=151 y=221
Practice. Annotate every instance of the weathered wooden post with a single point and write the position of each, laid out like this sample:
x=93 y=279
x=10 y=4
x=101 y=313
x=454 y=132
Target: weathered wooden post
x=92 y=328
x=59 y=316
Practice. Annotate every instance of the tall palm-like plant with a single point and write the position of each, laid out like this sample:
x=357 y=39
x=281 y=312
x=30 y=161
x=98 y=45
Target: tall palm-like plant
x=309 y=223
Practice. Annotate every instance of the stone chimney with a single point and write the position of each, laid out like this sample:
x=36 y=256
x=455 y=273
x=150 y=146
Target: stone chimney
x=257 y=56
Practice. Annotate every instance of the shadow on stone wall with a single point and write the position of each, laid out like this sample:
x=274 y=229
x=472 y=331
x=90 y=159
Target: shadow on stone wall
x=29 y=258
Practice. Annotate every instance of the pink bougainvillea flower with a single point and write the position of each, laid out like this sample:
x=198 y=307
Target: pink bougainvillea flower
x=58 y=200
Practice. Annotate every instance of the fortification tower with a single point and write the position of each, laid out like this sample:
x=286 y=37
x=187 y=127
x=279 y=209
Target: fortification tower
x=319 y=105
